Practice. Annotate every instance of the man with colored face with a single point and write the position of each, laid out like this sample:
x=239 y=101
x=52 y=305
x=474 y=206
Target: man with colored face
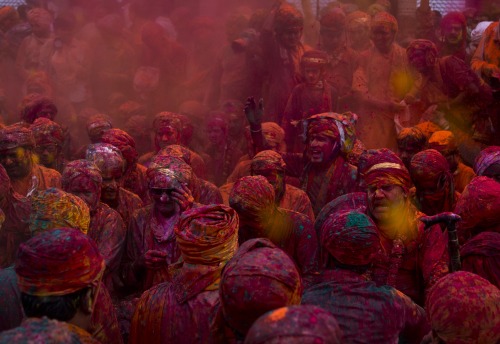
x=49 y=138
x=488 y=163
x=410 y=142
x=454 y=35
x=381 y=81
x=151 y=245
x=83 y=179
x=17 y=146
x=111 y=163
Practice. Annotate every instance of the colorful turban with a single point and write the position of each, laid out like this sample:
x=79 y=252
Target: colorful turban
x=274 y=134
x=486 y=158
x=314 y=58
x=162 y=177
x=176 y=151
x=40 y=16
x=82 y=167
x=386 y=20
x=107 y=157
x=443 y=141
x=412 y=137
x=58 y=262
x=479 y=207
x=253 y=198
x=464 y=308
x=16 y=135
x=453 y=18
x=183 y=172
x=337 y=126
x=428 y=128
x=259 y=278
x=208 y=235
x=334 y=20
x=124 y=142
x=268 y=160
x=40 y=330
x=351 y=238
x=421 y=45
x=296 y=325
x=287 y=17
x=481 y=255
x=47 y=132
x=97 y=124
x=379 y=167
x=429 y=165
x=35 y=105
x=167 y=119
x=54 y=208
x=358 y=19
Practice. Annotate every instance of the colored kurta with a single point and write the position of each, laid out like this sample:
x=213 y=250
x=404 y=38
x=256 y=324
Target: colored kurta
x=45 y=178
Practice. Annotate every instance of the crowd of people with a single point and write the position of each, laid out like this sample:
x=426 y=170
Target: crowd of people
x=328 y=178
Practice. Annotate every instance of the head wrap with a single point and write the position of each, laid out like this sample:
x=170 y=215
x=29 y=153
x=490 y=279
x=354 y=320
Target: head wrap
x=314 y=58
x=443 y=141
x=253 y=198
x=421 y=45
x=208 y=235
x=464 y=308
x=40 y=16
x=182 y=170
x=98 y=123
x=259 y=278
x=167 y=119
x=351 y=238
x=107 y=157
x=77 y=168
x=333 y=20
x=479 y=206
x=40 y=330
x=137 y=125
x=163 y=177
x=379 y=167
x=295 y=325
x=46 y=132
x=218 y=120
x=412 y=137
x=453 y=18
x=35 y=104
x=16 y=135
x=334 y=125
x=386 y=20
x=428 y=128
x=268 y=160
x=481 y=255
x=429 y=165
x=274 y=134
x=287 y=17
x=486 y=158
x=124 y=142
x=58 y=262
x=358 y=19
x=54 y=208
x=176 y=151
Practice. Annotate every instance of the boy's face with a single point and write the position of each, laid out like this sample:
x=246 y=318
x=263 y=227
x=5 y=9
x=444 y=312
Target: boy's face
x=312 y=75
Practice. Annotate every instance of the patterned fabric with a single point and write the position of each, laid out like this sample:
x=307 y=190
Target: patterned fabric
x=253 y=198
x=208 y=235
x=486 y=158
x=479 y=206
x=259 y=278
x=367 y=313
x=167 y=119
x=274 y=135
x=351 y=238
x=443 y=141
x=464 y=308
x=481 y=255
x=107 y=157
x=47 y=132
x=58 y=262
x=422 y=45
x=16 y=135
x=124 y=142
x=296 y=324
x=430 y=167
x=337 y=126
x=268 y=160
x=81 y=167
x=382 y=167
x=54 y=208
x=98 y=124
x=41 y=330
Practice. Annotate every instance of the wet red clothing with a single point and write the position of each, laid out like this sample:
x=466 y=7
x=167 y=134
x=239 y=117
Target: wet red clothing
x=340 y=71
x=322 y=185
x=128 y=202
x=46 y=178
x=15 y=229
x=108 y=231
x=481 y=255
x=180 y=309
x=367 y=313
